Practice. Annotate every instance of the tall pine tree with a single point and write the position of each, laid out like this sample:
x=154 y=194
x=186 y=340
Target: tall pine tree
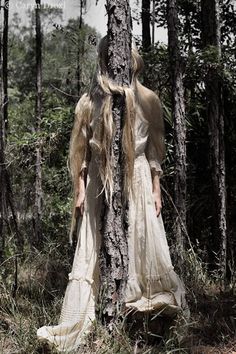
x=38 y=118
x=178 y=113
x=6 y=194
x=211 y=42
x=114 y=250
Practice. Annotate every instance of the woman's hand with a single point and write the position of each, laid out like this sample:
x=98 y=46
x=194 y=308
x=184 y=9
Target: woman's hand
x=80 y=202
x=156 y=192
x=80 y=192
x=157 y=201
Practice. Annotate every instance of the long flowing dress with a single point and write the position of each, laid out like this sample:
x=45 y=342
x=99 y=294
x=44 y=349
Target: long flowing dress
x=152 y=285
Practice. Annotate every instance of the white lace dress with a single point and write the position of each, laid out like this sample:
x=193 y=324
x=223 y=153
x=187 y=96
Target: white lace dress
x=152 y=284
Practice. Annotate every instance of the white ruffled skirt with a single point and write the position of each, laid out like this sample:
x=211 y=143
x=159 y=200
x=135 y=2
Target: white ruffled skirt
x=152 y=284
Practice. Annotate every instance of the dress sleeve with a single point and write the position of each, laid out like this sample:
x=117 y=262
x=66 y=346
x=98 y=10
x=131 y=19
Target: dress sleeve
x=152 y=157
x=155 y=148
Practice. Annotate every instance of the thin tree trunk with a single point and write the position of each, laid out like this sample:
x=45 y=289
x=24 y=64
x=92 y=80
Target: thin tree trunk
x=2 y=164
x=114 y=250
x=5 y=64
x=80 y=50
x=6 y=195
x=146 y=19
x=38 y=117
x=178 y=112
x=153 y=22
x=81 y=14
x=146 y=39
x=211 y=37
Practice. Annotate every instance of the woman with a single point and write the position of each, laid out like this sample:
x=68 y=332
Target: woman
x=152 y=282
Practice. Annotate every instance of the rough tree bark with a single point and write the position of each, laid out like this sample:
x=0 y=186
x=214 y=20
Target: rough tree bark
x=38 y=117
x=211 y=38
x=178 y=113
x=6 y=195
x=114 y=249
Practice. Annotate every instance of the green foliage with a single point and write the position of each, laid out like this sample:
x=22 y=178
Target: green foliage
x=69 y=58
x=197 y=63
x=42 y=278
x=65 y=51
x=156 y=74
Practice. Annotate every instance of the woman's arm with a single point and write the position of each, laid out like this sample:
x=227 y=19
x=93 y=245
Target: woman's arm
x=156 y=188
x=156 y=172
x=80 y=191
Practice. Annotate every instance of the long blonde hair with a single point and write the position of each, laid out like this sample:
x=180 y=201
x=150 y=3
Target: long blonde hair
x=103 y=89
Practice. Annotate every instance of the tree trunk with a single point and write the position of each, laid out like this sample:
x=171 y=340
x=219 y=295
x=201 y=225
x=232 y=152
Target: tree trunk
x=211 y=39
x=114 y=249
x=5 y=64
x=146 y=18
x=178 y=112
x=146 y=39
x=153 y=22
x=80 y=50
x=2 y=164
x=6 y=195
x=38 y=117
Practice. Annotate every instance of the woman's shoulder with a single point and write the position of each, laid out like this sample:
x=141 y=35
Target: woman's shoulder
x=146 y=91
x=148 y=99
x=84 y=103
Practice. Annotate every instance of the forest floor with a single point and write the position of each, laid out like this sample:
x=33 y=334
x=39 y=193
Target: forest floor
x=41 y=284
